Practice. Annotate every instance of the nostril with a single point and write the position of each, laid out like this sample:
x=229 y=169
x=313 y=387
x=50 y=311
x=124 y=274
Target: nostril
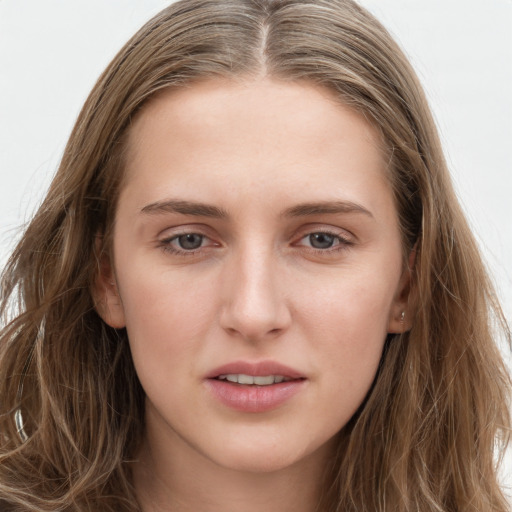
x=253 y=310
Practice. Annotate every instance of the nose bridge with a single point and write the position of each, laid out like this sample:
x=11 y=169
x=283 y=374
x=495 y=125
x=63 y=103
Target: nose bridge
x=254 y=305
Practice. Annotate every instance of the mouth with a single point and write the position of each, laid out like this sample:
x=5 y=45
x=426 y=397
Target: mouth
x=254 y=380
x=260 y=373
x=255 y=387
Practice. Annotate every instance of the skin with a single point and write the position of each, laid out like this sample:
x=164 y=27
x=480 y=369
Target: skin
x=259 y=286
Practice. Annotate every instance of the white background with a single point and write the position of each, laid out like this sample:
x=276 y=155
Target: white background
x=52 y=51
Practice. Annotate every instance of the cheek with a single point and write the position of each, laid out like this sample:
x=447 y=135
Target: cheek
x=348 y=321
x=160 y=295
x=350 y=304
x=167 y=315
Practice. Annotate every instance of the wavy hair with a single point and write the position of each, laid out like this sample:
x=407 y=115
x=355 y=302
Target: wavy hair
x=425 y=438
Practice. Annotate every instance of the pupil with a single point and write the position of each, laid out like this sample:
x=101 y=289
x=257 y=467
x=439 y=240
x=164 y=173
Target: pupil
x=190 y=241
x=321 y=240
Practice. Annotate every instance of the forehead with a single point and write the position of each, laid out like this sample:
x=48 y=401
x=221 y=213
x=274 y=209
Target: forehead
x=260 y=133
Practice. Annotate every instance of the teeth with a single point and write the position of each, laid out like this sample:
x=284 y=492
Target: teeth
x=265 y=380
x=245 y=379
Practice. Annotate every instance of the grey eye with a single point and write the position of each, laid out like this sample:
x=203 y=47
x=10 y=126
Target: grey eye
x=321 y=240
x=190 y=241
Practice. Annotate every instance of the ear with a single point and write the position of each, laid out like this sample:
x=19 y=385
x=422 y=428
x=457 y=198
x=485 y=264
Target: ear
x=107 y=301
x=400 y=315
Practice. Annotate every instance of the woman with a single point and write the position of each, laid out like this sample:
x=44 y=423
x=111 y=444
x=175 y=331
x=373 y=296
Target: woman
x=250 y=284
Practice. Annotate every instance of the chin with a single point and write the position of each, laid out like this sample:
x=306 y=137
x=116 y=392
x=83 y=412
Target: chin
x=261 y=462
x=268 y=457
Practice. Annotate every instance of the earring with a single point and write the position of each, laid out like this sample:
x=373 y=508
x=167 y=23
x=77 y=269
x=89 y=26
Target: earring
x=402 y=317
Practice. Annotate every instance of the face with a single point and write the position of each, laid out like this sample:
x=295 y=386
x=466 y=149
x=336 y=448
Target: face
x=257 y=268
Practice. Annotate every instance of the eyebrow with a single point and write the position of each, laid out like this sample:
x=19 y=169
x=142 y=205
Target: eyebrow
x=198 y=209
x=325 y=207
x=185 y=208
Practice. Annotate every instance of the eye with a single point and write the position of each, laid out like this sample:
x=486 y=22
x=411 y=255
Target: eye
x=325 y=241
x=186 y=243
x=189 y=242
x=322 y=240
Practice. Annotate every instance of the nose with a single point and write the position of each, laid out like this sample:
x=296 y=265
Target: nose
x=254 y=305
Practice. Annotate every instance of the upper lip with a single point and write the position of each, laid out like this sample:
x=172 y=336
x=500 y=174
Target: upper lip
x=256 y=369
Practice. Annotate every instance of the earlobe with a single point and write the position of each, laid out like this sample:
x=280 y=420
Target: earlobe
x=399 y=323
x=107 y=301
x=401 y=313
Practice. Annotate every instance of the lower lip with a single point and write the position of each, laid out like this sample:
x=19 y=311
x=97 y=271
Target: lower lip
x=254 y=398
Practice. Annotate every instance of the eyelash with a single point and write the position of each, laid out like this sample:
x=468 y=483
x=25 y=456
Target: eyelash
x=342 y=243
x=167 y=246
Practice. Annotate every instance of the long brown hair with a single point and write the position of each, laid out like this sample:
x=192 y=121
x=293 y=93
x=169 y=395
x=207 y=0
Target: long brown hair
x=426 y=437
